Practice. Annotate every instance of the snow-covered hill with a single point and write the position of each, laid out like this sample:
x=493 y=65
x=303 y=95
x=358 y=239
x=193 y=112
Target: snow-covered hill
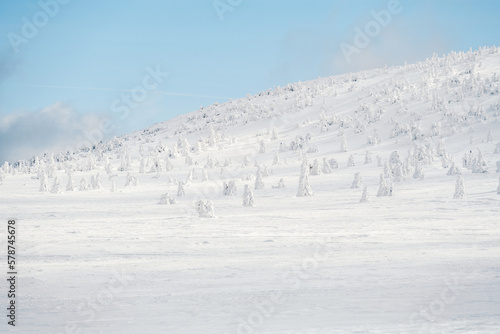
x=366 y=202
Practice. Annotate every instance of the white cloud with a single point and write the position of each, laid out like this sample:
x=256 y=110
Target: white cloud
x=55 y=128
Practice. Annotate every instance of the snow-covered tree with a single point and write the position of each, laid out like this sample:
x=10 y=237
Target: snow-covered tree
x=304 y=188
x=281 y=184
x=205 y=210
x=259 y=184
x=113 y=186
x=248 y=196
x=453 y=170
x=166 y=199
x=368 y=158
x=56 y=187
x=180 y=189
x=96 y=182
x=84 y=185
x=350 y=162
x=204 y=175
x=70 y=186
x=229 y=188
x=326 y=169
x=262 y=148
x=365 y=197
x=315 y=170
x=276 y=159
x=418 y=174
x=357 y=181
x=383 y=188
x=459 y=188
x=43 y=183
x=343 y=144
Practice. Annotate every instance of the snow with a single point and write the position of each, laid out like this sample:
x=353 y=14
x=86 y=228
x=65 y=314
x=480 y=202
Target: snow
x=419 y=261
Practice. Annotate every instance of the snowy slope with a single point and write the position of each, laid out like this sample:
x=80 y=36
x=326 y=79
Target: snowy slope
x=417 y=261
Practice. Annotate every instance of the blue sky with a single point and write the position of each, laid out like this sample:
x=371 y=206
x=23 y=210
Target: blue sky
x=61 y=82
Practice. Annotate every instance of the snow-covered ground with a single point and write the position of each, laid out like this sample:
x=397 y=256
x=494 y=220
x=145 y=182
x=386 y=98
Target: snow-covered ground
x=419 y=261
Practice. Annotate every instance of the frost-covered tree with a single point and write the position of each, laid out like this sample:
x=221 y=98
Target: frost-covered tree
x=113 y=186
x=210 y=163
x=96 y=182
x=357 y=181
x=248 y=196
x=326 y=169
x=204 y=175
x=281 y=184
x=383 y=188
x=43 y=183
x=229 y=189
x=70 y=186
x=453 y=170
x=350 y=162
x=180 y=189
x=315 y=170
x=498 y=166
x=274 y=134
x=276 y=159
x=418 y=174
x=489 y=137
x=365 y=197
x=205 y=210
x=84 y=185
x=142 y=165
x=259 y=184
x=246 y=162
x=166 y=199
x=343 y=144
x=459 y=188
x=368 y=158
x=262 y=148
x=304 y=188
x=498 y=188
x=497 y=148
x=56 y=187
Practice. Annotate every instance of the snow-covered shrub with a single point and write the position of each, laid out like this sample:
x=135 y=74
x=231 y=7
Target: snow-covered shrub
x=276 y=159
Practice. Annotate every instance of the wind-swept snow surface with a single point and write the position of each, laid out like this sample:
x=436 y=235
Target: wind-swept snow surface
x=420 y=255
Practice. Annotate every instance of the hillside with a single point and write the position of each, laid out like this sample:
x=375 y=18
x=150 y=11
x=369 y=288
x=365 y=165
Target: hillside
x=419 y=253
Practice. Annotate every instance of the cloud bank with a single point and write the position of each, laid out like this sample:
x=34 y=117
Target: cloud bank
x=55 y=128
